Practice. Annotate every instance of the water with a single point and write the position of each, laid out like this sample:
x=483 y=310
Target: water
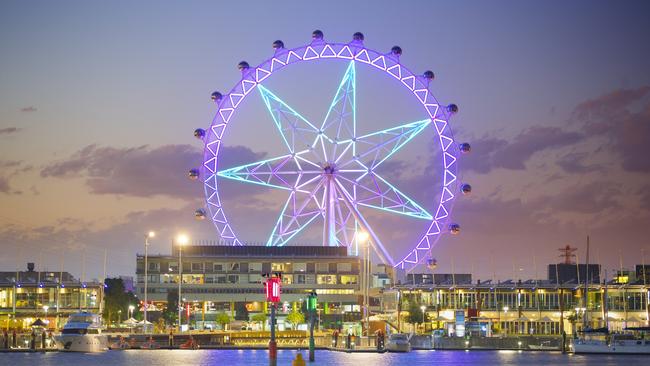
x=260 y=357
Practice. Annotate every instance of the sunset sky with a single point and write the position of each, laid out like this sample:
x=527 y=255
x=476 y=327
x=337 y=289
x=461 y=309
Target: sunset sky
x=98 y=101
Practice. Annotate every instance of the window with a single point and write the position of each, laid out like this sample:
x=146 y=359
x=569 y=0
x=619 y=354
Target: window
x=322 y=267
x=153 y=278
x=300 y=278
x=197 y=267
x=349 y=280
x=209 y=279
x=193 y=279
x=233 y=278
x=154 y=266
x=300 y=267
x=255 y=267
x=287 y=279
x=169 y=278
x=326 y=279
x=344 y=267
x=254 y=278
x=277 y=267
x=220 y=279
x=218 y=267
x=310 y=279
x=234 y=267
x=173 y=266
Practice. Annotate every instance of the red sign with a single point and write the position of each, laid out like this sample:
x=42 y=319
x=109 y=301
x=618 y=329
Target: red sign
x=272 y=287
x=188 y=311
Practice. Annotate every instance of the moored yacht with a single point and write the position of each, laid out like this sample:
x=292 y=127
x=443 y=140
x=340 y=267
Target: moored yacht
x=633 y=341
x=398 y=342
x=82 y=333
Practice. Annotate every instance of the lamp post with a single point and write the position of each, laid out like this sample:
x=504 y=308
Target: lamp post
x=181 y=240
x=131 y=308
x=423 y=308
x=272 y=289
x=312 y=303
x=363 y=237
x=148 y=236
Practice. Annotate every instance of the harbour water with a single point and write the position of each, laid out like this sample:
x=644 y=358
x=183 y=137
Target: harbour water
x=260 y=357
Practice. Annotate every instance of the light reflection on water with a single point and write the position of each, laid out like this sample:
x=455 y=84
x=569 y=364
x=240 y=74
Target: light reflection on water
x=260 y=357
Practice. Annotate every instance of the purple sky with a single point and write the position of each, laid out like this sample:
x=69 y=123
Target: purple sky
x=98 y=102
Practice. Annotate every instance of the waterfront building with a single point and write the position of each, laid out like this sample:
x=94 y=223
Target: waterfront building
x=49 y=295
x=229 y=279
x=531 y=307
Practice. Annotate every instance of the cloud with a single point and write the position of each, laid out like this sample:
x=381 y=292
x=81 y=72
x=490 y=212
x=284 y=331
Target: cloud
x=9 y=130
x=142 y=171
x=489 y=153
x=4 y=185
x=575 y=163
x=622 y=118
x=590 y=198
x=9 y=163
x=29 y=109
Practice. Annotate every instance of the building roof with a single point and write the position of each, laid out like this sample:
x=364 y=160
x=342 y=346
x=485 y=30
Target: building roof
x=262 y=251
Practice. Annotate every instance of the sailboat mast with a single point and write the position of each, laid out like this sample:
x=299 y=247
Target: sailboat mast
x=584 y=300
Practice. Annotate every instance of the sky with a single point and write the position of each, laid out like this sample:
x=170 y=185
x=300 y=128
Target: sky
x=98 y=101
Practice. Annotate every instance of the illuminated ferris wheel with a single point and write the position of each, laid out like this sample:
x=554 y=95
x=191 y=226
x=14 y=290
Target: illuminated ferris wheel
x=329 y=170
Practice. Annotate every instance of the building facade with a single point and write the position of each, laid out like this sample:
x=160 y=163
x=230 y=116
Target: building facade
x=51 y=296
x=525 y=307
x=219 y=279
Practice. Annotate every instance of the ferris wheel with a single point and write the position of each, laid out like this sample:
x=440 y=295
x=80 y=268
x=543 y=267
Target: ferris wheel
x=329 y=170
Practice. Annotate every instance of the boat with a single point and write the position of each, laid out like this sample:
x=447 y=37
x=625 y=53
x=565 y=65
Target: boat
x=398 y=342
x=82 y=333
x=632 y=341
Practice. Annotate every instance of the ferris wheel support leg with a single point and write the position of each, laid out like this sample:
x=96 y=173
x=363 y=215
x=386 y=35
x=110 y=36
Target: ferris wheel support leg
x=329 y=231
x=376 y=244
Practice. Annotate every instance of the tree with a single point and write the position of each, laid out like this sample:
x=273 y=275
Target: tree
x=241 y=313
x=260 y=318
x=223 y=319
x=416 y=315
x=295 y=318
x=117 y=299
x=171 y=310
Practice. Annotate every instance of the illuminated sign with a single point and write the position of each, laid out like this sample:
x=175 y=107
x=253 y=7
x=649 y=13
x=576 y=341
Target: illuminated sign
x=272 y=287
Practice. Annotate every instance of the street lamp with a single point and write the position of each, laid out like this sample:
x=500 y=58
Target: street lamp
x=423 y=308
x=181 y=240
x=46 y=308
x=147 y=236
x=363 y=238
x=131 y=308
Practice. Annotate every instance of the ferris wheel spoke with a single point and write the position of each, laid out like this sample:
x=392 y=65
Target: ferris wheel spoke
x=375 y=192
x=283 y=172
x=375 y=148
x=298 y=212
x=340 y=120
x=346 y=226
x=374 y=241
x=296 y=131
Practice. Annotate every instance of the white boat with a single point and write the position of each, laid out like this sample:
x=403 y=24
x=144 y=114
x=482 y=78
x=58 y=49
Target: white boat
x=634 y=341
x=398 y=342
x=82 y=333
